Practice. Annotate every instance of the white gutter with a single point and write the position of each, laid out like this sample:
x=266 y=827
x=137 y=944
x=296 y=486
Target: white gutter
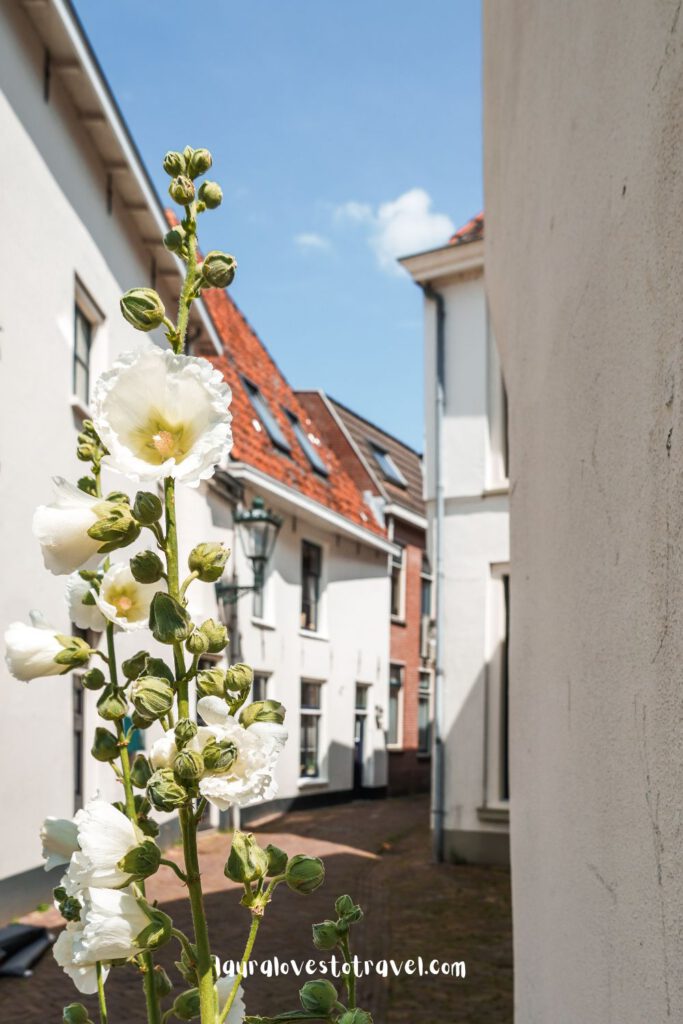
x=87 y=60
x=308 y=506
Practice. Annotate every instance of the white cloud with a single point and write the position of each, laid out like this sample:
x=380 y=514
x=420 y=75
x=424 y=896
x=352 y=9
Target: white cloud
x=400 y=227
x=309 y=240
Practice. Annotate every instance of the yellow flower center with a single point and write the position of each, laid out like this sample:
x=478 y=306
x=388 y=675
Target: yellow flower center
x=157 y=439
x=124 y=599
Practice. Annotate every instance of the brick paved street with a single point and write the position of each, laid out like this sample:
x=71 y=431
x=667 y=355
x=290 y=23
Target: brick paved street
x=379 y=853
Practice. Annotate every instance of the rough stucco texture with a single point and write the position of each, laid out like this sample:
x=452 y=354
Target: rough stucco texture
x=584 y=263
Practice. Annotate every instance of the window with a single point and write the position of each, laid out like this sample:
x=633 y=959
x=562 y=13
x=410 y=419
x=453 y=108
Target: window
x=397 y=584
x=388 y=466
x=425 y=609
x=424 y=713
x=83 y=334
x=308 y=446
x=266 y=416
x=259 y=687
x=497 y=788
x=311 y=694
x=395 y=699
x=362 y=690
x=78 y=727
x=311 y=563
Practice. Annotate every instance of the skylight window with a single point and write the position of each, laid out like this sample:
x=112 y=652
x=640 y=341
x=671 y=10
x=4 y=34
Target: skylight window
x=388 y=466
x=266 y=417
x=307 y=445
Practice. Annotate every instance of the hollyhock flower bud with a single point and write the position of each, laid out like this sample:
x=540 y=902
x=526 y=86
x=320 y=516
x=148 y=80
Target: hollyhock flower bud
x=174 y=163
x=211 y=682
x=186 y=1005
x=164 y=792
x=147 y=508
x=83 y=610
x=219 y=755
x=152 y=697
x=349 y=911
x=142 y=861
x=197 y=643
x=168 y=620
x=211 y=194
x=163 y=986
x=112 y=705
x=75 y=1013
x=115 y=528
x=263 y=711
x=161 y=414
x=105 y=746
x=135 y=666
x=123 y=600
x=62 y=528
x=59 y=837
x=218 y=269
x=239 y=678
x=181 y=190
x=247 y=861
x=199 y=163
x=188 y=766
x=325 y=935
x=174 y=240
x=140 y=772
x=319 y=996
x=208 y=561
x=305 y=874
x=355 y=1016
x=277 y=860
x=143 y=309
x=32 y=651
x=93 y=679
x=146 y=567
x=184 y=731
x=216 y=634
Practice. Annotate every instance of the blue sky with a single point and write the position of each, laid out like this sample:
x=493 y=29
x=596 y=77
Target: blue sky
x=342 y=133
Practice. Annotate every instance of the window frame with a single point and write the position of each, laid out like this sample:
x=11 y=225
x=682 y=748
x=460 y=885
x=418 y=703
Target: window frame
x=400 y=615
x=85 y=310
x=385 y=461
x=315 y=629
x=496 y=738
x=399 y=688
x=315 y=460
x=310 y=712
x=425 y=695
x=266 y=416
x=265 y=677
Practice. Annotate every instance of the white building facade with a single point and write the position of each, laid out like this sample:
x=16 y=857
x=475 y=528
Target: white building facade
x=467 y=504
x=83 y=224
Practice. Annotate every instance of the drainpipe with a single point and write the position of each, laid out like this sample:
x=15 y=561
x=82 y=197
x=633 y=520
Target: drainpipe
x=438 y=751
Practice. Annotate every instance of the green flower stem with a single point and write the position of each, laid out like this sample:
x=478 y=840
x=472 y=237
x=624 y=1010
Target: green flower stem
x=187 y=294
x=174 y=591
x=186 y=582
x=251 y=939
x=207 y=991
x=153 y=1010
x=174 y=867
x=100 y=994
x=350 y=978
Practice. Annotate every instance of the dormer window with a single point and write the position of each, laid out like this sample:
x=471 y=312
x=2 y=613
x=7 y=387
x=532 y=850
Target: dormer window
x=266 y=417
x=388 y=466
x=308 y=447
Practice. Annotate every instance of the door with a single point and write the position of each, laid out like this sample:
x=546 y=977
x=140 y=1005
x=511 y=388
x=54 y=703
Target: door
x=358 y=753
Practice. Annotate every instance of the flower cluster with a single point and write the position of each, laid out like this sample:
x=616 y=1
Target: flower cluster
x=160 y=417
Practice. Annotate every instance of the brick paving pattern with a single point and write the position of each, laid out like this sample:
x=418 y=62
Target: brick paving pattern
x=378 y=852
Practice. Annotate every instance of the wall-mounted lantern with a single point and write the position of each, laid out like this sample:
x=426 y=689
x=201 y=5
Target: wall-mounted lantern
x=258 y=528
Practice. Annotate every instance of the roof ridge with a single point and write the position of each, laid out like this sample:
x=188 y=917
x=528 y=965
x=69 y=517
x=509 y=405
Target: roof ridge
x=370 y=423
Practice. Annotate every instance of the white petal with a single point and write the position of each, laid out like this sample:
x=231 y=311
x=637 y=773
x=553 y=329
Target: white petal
x=224 y=988
x=85 y=616
x=161 y=414
x=105 y=836
x=59 y=837
x=112 y=922
x=84 y=976
x=62 y=528
x=31 y=651
x=213 y=710
x=163 y=751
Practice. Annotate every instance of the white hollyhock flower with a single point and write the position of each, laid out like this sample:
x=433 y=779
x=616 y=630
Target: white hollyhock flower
x=162 y=415
x=105 y=836
x=273 y=731
x=164 y=749
x=224 y=988
x=62 y=528
x=123 y=600
x=85 y=616
x=250 y=777
x=31 y=650
x=59 y=837
x=84 y=973
x=112 y=921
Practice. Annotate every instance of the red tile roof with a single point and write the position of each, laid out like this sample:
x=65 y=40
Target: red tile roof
x=245 y=354
x=473 y=231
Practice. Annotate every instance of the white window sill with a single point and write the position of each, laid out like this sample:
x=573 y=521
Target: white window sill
x=398 y=620
x=311 y=634
x=307 y=783
x=262 y=623
x=395 y=748
x=495 y=490
x=79 y=408
x=495 y=814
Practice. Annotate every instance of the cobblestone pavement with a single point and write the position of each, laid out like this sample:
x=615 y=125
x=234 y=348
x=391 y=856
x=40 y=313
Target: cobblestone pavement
x=378 y=852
